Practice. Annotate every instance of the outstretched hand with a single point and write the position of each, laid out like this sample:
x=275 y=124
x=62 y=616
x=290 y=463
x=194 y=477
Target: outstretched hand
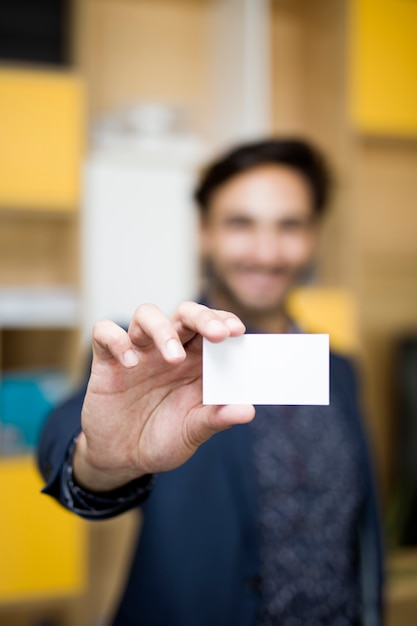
x=143 y=408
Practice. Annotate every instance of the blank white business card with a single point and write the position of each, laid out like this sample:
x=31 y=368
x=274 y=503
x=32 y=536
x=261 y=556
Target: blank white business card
x=267 y=369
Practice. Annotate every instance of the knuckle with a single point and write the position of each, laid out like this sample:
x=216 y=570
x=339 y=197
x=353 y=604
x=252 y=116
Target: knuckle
x=100 y=328
x=144 y=309
x=108 y=333
x=189 y=306
x=183 y=308
x=151 y=325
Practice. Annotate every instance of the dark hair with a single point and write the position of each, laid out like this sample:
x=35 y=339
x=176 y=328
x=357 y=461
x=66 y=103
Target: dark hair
x=294 y=153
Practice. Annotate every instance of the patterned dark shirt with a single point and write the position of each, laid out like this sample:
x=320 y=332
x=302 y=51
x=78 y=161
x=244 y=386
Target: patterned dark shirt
x=310 y=494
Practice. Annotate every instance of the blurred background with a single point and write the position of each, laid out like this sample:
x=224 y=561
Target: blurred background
x=108 y=108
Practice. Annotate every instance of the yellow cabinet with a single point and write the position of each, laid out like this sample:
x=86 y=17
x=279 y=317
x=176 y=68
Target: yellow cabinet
x=42 y=137
x=383 y=66
x=42 y=546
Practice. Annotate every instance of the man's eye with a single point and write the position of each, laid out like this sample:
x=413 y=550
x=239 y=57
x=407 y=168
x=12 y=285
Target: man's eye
x=292 y=226
x=237 y=223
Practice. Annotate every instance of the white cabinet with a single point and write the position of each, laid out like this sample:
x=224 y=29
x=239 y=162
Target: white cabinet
x=138 y=231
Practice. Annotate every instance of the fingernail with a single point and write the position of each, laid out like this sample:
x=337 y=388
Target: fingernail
x=174 y=349
x=130 y=359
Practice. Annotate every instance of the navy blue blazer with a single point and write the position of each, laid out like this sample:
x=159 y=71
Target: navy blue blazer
x=196 y=561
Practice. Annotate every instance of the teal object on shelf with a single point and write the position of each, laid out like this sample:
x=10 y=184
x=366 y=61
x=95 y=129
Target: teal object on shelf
x=26 y=399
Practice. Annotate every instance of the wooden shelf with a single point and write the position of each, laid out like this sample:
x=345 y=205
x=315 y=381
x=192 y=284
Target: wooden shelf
x=401 y=588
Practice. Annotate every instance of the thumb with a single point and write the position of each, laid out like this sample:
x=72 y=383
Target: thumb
x=213 y=419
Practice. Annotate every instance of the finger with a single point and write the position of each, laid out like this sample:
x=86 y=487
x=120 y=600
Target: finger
x=150 y=326
x=214 y=419
x=110 y=341
x=233 y=322
x=191 y=318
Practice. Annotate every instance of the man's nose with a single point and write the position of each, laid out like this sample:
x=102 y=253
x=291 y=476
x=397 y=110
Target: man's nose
x=267 y=248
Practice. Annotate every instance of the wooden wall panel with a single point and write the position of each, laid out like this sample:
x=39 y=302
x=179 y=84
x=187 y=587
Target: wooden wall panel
x=38 y=249
x=384 y=182
x=308 y=86
x=152 y=50
x=384 y=192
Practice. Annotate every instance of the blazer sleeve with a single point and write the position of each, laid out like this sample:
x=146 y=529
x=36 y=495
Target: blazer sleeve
x=59 y=431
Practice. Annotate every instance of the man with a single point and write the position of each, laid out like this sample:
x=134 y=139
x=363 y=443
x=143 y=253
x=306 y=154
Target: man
x=272 y=521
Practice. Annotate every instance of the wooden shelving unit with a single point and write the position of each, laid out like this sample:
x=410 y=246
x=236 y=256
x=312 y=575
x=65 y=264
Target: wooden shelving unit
x=44 y=548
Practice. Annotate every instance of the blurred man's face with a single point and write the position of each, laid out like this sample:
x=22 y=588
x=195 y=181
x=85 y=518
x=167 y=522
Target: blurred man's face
x=260 y=234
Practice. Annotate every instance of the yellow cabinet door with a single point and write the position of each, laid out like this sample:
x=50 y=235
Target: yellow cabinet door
x=42 y=546
x=383 y=66
x=42 y=136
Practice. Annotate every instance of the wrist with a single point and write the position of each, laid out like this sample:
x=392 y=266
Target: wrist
x=97 y=479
